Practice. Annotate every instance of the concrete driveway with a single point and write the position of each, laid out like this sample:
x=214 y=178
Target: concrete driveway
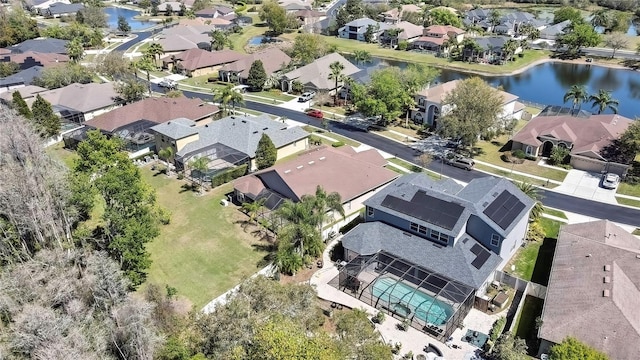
x=587 y=186
x=293 y=104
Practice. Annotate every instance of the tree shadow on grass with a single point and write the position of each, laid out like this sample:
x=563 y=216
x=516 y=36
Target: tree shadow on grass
x=542 y=269
x=270 y=255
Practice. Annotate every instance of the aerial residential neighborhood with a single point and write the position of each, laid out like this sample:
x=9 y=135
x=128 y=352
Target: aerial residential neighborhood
x=346 y=179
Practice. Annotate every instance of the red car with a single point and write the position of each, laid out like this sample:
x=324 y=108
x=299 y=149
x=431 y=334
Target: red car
x=315 y=113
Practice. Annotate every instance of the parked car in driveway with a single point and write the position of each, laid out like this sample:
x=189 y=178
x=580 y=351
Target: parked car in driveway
x=315 y=113
x=459 y=161
x=168 y=84
x=306 y=96
x=610 y=181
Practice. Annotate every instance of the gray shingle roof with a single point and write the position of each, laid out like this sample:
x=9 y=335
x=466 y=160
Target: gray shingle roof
x=62 y=8
x=170 y=129
x=371 y=237
x=23 y=77
x=41 y=45
x=240 y=133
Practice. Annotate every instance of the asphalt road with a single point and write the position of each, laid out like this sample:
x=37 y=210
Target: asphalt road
x=568 y=203
x=140 y=36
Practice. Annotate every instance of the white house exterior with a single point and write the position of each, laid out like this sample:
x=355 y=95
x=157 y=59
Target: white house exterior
x=356 y=29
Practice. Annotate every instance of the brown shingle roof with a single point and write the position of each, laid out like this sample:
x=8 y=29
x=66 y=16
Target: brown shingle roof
x=443 y=29
x=439 y=92
x=348 y=174
x=272 y=61
x=194 y=59
x=36 y=58
x=83 y=97
x=158 y=110
x=592 y=258
x=587 y=134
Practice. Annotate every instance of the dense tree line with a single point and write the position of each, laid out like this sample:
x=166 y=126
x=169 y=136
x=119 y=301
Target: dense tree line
x=16 y=26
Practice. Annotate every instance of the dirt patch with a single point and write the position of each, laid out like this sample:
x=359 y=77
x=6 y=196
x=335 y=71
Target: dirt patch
x=301 y=276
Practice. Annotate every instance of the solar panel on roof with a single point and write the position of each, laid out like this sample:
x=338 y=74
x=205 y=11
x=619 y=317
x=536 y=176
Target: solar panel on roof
x=427 y=208
x=475 y=249
x=504 y=209
x=481 y=258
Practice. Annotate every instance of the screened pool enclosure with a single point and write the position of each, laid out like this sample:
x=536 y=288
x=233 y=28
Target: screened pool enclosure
x=430 y=301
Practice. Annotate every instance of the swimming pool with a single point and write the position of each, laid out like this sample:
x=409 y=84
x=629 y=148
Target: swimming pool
x=423 y=306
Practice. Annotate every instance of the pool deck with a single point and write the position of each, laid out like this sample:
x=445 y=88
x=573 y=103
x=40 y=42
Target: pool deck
x=412 y=340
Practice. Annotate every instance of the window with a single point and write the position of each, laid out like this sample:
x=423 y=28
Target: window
x=414 y=227
x=495 y=240
x=422 y=230
x=436 y=235
x=370 y=211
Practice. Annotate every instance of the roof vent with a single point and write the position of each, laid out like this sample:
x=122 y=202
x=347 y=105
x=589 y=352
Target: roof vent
x=299 y=167
x=606 y=293
x=263 y=129
x=406 y=234
x=244 y=121
x=322 y=158
x=233 y=117
x=606 y=279
x=638 y=256
x=206 y=125
x=255 y=132
x=495 y=194
x=588 y=255
x=287 y=171
x=485 y=204
x=311 y=162
x=607 y=268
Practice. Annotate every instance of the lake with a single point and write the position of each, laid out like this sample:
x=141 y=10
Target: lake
x=547 y=83
x=114 y=12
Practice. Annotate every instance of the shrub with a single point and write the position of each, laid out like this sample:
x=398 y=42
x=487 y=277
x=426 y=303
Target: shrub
x=337 y=144
x=229 y=175
x=519 y=154
x=164 y=216
x=559 y=155
x=378 y=318
x=403 y=45
x=497 y=328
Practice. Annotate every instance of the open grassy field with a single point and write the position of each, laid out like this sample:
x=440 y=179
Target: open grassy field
x=349 y=46
x=239 y=41
x=204 y=251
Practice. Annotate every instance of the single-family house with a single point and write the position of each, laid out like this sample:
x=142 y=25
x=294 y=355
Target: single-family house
x=226 y=142
x=26 y=92
x=491 y=49
x=593 y=293
x=20 y=79
x=430 y=104
x=133 y=122
x=171 y=7
x=207 y=25
x=217 y=11
x=181 y=38
x=435 y=241
x=315 y=76
x=77 y=103
x=310 y=19
x=37 y=5
x=357 y=29
x=57 y=10
x=436 y=38
x=401 y=31
x=30 y=59
x=552 y=32
x=197 y=62
x=41 y=45
x=510 y=23
x=273 y=60
x=587 y=137
x=326 y=167
x=394 y=15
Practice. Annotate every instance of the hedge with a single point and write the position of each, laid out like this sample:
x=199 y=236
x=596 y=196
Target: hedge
x=497 y=328
x=337 y=144
x=229 y=175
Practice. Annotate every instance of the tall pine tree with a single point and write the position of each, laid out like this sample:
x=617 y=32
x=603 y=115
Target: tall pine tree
x=257 y=76
x=266 y=153
x=44 y=117
x=20 y=106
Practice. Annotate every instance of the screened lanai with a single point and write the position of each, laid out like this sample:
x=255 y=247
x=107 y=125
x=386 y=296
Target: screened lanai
x=430 y=301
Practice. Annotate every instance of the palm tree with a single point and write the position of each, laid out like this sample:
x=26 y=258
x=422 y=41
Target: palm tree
x=577 y=94
x=147 y=65
x=218 y=39
x=300 y=229
x=252 y=208
x=602 y=19
x=471 y=47
x=201 y=165
x=155 y=50
x=325 y=203
x=361 y=56
x=509 y=48
x=227 y=95
x=336 y=74
x=167 y=154
x=532 y=192
x=603 y=100
x=494 y=18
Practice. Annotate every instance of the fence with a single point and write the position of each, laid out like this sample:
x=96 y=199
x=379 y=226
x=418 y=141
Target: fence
x=523 y=286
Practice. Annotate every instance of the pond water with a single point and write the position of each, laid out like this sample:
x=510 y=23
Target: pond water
x=547 y=83
x=259 y=40
x=114 y=12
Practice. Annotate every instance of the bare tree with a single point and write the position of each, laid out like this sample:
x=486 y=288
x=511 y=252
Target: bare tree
x=616 y=41
x=35 y=210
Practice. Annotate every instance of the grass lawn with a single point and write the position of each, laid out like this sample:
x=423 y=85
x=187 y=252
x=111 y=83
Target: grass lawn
x=516 y=177
x=491 y=151
x=533 y=262
x=629 y=202
x=274 y=94
x=58 y=151
x=315 y=131
x=391 y=135
x=629 y=189
x=201 y=81
x=393 y=168
x=412 y=168
x=349 y=46
x=556 y=213
x=526 y=322
x=204 y=251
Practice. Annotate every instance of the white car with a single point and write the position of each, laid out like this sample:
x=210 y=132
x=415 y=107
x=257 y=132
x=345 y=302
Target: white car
x=306 y=96
x=169 y=84
x=610 y=181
